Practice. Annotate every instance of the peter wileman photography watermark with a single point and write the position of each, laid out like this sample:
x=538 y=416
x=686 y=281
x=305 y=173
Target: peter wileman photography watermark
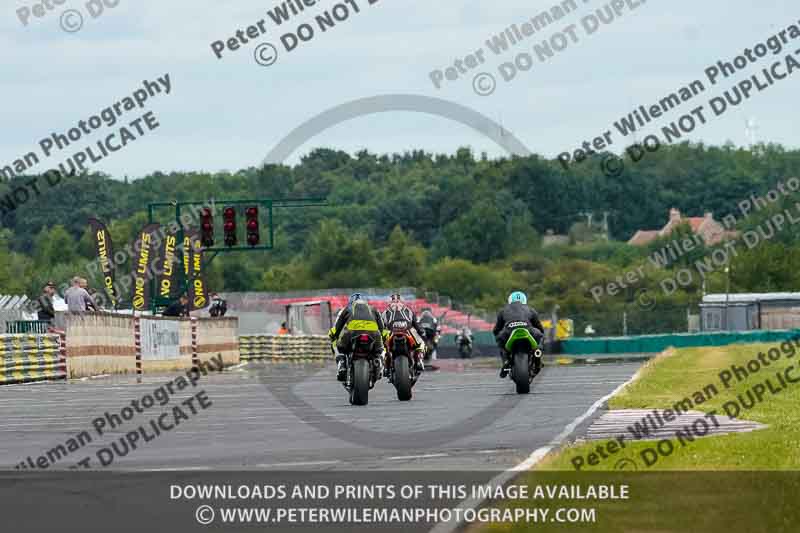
x=643 y=116
x=484 y=83
x=146 y=432
x=266 y=53
x=648 y=426
x=718 y=258
x=109 y=143
x=71 y=20
x=283 y=389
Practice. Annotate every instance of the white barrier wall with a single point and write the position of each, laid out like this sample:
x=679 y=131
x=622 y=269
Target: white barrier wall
x=99 y=343
x=218 y=336
x=161 y=344
x=106 y=343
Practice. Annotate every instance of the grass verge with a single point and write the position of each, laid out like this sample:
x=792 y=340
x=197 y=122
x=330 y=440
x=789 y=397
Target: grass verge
x=726 y=484
x=706 y=378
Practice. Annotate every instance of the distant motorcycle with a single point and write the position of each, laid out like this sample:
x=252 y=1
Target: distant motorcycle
x=432 y=336
x=464 y=343
x=400 y=362
x=526 y=357
x=363 y=368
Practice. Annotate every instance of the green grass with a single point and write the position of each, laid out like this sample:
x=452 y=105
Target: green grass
x=726 y=484
x=678 y=374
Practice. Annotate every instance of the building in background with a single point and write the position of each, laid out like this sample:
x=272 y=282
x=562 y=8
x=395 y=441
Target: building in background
x=743 y=312
x=711 y=231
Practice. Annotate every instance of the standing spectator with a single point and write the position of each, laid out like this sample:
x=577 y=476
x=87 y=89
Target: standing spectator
x=45 y=302
x=284 y=330
x=180 y=307
x=78 y=300
x=85 y=286
x=218 y=306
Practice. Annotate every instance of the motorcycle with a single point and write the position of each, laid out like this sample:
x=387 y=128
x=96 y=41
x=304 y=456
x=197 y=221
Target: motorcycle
x=402 y=370
x=526 y=357
x=431 y=343
x=363 y=368
x=464 y=346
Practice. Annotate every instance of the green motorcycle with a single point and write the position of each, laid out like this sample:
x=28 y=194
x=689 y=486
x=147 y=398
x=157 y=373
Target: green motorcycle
x=526 y=357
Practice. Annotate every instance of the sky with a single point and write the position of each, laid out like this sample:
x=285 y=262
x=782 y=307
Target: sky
x=230 y=113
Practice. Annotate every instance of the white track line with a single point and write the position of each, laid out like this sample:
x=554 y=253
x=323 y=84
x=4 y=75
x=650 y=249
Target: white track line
x=169 y=469
x=538 y=454
x=408 y=457
x=309 y=463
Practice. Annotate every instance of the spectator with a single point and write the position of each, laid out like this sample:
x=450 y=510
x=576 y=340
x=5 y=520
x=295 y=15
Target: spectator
x=284 y=330
x=180 y=307
x=45 y=302
x=218 y=306
x=97 y=301
x=78 y=300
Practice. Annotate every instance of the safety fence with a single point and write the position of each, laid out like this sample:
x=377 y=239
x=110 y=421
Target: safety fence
x=30 y=357
x=659 y=343
x=285 y=347
x=28 y=326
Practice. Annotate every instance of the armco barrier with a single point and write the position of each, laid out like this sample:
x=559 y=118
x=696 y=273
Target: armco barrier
x=659 y=343
x=285 y=347
x=31 y=357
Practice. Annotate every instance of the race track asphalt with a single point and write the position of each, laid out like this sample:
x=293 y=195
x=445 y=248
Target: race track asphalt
x=276 y=416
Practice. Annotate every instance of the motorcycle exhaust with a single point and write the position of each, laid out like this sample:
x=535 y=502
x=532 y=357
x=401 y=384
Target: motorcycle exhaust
x=537 y=353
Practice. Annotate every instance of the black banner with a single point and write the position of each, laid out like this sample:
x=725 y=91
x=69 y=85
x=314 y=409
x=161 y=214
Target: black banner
x=167 y=265
x=144 y=250
x=198 y=299
x=105 y=255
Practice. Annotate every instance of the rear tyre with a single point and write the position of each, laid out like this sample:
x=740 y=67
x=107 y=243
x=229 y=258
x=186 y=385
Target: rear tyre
x=402 y=379
x=520 y=372
x=359 y=394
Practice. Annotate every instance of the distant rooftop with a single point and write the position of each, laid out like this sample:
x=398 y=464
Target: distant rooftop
x=751 y=297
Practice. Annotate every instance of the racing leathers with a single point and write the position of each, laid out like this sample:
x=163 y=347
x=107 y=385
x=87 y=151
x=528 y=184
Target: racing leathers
x=512 y=316
x=356 y=319
x=430 y=331
x=399 y=316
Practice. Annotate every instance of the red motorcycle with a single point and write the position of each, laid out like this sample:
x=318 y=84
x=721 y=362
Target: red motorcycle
x=401 y=362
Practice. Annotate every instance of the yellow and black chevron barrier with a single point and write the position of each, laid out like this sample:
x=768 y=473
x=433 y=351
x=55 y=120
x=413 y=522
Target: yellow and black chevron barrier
x=31 y=357
x=285 y=347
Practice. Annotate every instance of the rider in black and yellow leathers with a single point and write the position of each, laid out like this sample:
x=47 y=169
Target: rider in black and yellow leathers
x=357 y=318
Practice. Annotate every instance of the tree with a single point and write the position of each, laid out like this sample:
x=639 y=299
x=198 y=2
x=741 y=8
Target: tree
x=401 y=260
x=54 y=246
x=339 y=257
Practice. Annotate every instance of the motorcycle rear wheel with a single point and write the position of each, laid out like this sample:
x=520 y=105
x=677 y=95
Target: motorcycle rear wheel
x=402 y=378
x=359 y=394
x=521 y=373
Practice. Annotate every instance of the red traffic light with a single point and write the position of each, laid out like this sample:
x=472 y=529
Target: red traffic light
x=253 y=237
x=229 y=213
x=207 y=227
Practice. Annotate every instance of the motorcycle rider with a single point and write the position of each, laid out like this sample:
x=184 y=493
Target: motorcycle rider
x=514 y=312
x=430 y=329
x=356 y=318
x=464 y=337
x=399 y=316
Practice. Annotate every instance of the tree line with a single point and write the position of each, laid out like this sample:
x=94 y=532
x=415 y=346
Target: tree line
x=461 y=224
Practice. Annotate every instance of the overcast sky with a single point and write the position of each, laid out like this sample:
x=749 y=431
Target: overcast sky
x=229 y=113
